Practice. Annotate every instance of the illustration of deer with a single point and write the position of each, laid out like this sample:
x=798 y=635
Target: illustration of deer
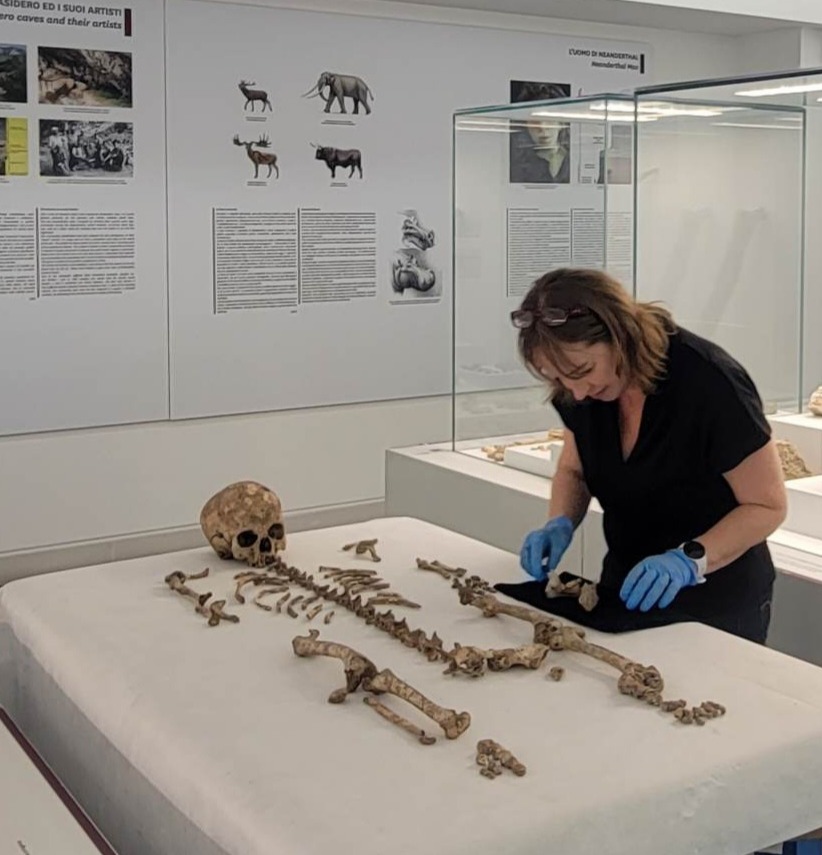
x=252 y=95
x=259 y=157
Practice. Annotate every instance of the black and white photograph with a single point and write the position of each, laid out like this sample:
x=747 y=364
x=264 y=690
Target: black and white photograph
x=412 y=275
x=13 y=73
x=84 y=78
x=86 y=149
x=540 y=147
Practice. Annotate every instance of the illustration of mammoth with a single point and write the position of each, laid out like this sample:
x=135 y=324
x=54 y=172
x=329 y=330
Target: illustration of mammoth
x=341 y=86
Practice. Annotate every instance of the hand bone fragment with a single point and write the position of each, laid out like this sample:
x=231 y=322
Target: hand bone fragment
x=491 y=756
x=556 y=673
x=315 y=610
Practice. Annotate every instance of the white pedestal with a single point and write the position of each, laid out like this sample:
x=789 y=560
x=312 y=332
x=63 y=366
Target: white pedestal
x=539 y=459
x=804 y=506
x=805 y=432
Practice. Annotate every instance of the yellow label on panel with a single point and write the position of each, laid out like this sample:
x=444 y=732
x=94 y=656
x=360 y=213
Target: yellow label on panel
x=17 y=146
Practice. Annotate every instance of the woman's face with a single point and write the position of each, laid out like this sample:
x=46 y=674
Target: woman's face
x=588 y=372
x=545 y=135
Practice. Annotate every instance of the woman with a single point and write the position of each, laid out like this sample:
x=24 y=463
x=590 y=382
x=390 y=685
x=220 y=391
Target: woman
x=667 y=431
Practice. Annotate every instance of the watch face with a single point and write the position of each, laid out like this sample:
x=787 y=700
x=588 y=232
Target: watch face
x=694 y=549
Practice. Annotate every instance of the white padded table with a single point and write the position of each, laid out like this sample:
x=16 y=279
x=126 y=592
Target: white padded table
x=180 y=738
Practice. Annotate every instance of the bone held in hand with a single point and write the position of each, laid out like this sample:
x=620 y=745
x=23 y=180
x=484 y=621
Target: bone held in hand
x=452 y=722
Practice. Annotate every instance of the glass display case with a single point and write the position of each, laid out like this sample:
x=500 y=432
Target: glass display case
x=704 y=196
x=536 y=186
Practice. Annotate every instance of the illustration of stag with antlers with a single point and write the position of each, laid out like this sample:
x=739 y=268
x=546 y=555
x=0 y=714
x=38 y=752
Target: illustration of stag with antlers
x=259 y=158
x=252 y=95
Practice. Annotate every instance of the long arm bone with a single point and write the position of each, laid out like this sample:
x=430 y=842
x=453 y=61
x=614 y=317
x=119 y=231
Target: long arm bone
x=452 y=722
x=177 y=582
x=396 y=718
x=358 y=668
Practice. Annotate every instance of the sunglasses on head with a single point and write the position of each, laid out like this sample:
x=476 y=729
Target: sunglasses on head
x=523 y=319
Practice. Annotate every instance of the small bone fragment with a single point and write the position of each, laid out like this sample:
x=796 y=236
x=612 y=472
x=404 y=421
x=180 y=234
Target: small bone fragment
x=397 y=719
x=281 y=602
x=499 y=757
x=290 y=606
x=361 y=547
x=672 y=706
x=556 y=673
x=588 y=596
x=201 y=575
x=452 y=722
x=368 y=586
x=358 y=668
x=526 y=656
x=217 y=614
x=557 y=588
x=307 y=602
x=329 y=617
x=315 y=611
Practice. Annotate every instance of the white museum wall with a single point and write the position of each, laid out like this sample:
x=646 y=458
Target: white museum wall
x=802 y=11
x=80 y=486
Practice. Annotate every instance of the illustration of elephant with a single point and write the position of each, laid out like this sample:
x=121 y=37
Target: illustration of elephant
x=341 y=86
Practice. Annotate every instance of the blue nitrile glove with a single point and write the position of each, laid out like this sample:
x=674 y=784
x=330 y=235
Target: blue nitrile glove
x=542 y=549
x=658 y=579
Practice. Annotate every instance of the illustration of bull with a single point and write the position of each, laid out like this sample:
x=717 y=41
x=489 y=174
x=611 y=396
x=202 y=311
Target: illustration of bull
x=342 y=157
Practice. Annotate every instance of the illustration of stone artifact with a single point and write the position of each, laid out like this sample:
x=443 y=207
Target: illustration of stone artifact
x=360 y=672
x=254 y=95
x=363 y=547
x=340 y=87
x=257 y=157
x=244 y=521
x=815 y=402
x=344 y=158
x=410 y=267
x=408 y=272
x=492 y=758
x=793 y=466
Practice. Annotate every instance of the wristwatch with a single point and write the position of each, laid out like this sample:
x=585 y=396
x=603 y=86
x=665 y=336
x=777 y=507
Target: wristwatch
x=696 y=552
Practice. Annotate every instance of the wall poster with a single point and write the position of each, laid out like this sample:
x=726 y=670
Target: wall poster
x=82 y=225
x=310 y=195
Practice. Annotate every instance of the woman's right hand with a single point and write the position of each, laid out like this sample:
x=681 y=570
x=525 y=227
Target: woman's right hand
x=543 y=549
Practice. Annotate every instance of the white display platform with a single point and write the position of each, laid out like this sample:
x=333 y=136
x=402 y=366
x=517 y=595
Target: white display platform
x=804 y=506
x=498 y=505
x=540 y=458
x=804 y=430
x=33 y=818
x=244 y=755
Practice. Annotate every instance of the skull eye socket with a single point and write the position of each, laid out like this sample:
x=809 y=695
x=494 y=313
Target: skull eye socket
x=246 y=538
x=276 y=531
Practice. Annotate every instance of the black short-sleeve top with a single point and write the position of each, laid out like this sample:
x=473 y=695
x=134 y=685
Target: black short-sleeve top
x=702 y=420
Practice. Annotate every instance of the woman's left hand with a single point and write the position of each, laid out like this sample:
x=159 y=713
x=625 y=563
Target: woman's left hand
x=656 y=580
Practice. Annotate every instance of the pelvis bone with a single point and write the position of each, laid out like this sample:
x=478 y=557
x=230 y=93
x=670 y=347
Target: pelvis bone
x=244 y=521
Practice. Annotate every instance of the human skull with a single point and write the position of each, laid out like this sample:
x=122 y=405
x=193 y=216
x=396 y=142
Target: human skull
x=244 y=521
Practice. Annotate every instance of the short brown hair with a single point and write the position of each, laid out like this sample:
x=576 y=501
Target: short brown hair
x=637 y=331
